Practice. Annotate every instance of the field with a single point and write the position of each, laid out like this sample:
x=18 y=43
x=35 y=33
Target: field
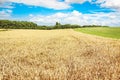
x=3 y=30
x=58 y=55
x=104 y=31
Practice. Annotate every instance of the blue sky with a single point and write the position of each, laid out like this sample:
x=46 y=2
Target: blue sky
x=47 y=12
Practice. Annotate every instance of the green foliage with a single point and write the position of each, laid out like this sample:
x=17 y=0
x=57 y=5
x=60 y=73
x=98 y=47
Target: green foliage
x=93 y=26
x=57 y=26
x=7 y=24
x=65 y=26
x=102 y=31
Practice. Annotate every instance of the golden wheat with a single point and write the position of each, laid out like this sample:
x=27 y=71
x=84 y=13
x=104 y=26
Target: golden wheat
x=57 y=55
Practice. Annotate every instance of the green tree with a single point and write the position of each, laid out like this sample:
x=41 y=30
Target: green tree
x=57 y=25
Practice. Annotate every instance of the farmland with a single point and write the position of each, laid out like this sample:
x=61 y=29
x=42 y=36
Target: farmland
x=113 y=32
x=58 y=55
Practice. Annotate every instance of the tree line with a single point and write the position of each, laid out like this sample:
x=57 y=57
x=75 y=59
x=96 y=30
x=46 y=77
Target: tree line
x=7 y=24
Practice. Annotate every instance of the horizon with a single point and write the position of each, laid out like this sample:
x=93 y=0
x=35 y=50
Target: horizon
x=48 y=12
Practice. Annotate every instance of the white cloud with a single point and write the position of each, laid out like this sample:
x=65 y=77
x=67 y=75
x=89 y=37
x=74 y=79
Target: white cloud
x=114 y=4
x=75 y=17
x=53 y=4
x=77 y=1
x=5 y=4
x=58 y=4
x=5 y=14
x=2 y=1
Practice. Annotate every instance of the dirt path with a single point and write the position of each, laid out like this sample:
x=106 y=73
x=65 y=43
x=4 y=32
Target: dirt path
x=58 y=55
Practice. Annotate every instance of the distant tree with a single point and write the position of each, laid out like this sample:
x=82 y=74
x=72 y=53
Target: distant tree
x=7 y=24
x=92 y=26
x=57 y=25
x=17 y=24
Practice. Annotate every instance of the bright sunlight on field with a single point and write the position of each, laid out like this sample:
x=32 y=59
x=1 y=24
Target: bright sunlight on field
x=57 y=55
x=102 y=31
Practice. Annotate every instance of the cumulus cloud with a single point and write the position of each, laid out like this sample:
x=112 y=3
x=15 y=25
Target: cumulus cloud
x=114 y=4
x=3 y=1
x=75 y=17
x=5 y=14
x=6 y=5
x=58 y=4
x=53 y=4
x=76 y=1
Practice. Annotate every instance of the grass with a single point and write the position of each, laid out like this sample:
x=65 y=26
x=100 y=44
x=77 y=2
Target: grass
x=102 y=31
x=58 y=55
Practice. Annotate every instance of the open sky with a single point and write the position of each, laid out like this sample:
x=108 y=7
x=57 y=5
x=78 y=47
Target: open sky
x=47 y=12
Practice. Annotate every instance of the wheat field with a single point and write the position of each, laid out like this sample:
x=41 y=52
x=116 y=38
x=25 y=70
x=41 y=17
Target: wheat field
x=58 y=55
